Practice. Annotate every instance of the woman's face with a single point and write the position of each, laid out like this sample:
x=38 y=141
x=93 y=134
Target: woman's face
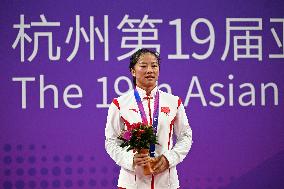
x=146 y=71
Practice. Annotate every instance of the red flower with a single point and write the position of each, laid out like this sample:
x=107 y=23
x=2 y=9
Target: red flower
x=135 y=126
x=166 y=110
x=139 y=133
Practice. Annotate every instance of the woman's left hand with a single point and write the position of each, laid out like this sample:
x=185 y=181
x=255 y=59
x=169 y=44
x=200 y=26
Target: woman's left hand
x=160 y=164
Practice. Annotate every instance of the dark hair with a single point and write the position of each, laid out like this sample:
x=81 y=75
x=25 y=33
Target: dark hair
x=135 y=57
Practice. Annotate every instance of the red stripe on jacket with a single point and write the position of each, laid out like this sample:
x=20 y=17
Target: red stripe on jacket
x=116 y=103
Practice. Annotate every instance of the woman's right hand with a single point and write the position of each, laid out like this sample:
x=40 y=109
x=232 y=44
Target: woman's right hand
x=141 y=159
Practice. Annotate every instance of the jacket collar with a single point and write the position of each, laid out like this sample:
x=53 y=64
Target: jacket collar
x=142 y=92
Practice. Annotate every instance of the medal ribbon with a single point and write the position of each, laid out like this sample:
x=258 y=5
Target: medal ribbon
x=144 y=117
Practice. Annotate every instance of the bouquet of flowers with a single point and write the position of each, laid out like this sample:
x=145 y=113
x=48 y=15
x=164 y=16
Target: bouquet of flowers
x=139 y=137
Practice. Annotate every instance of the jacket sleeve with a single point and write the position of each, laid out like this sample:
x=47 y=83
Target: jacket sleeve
x=184 y=141
x=113 y=128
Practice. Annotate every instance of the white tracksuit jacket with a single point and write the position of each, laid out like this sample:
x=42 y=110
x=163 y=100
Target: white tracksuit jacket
x=172 y=120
